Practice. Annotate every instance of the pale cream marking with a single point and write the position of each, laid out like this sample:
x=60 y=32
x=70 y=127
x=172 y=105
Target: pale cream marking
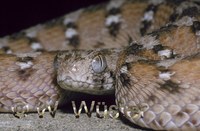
x=70 y=33
x=148 y=16
x=165 y=53
x=25 y=65
x=112 y=19
x=166 y=75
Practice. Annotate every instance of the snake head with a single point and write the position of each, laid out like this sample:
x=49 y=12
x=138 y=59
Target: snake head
x=86 y=71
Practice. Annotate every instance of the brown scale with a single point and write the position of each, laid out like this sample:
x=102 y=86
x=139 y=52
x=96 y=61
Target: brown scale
x=20 y=44
x=31 y=86
x=91 y=29
x=52 y=37
x=161 y=16
x=146 y=86
x=182 y=39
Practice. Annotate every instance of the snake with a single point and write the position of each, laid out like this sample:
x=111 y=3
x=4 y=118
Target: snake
x=144 y=52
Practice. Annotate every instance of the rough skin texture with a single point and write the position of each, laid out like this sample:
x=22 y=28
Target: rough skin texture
x=154 y=68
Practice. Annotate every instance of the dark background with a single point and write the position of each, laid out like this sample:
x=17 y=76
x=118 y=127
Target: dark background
x=16 y=15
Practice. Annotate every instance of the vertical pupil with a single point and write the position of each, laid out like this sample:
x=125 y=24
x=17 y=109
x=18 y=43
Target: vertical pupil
x=100 y=61
x=99 y=64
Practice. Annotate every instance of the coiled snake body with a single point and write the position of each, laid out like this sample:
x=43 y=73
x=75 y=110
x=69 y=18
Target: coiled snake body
x=153 y=66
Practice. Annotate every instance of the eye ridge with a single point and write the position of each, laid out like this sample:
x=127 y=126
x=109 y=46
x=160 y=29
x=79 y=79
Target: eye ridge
x=99 y=63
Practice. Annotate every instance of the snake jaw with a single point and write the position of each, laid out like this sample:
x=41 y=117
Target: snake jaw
x=86 y=87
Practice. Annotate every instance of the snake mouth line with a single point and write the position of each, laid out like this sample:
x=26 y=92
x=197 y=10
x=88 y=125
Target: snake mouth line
x=82 y=86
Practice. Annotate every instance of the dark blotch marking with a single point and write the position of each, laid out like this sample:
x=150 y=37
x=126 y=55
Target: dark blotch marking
x=74 y=41
x=163 y=69
x=173 y=17
x=197 y=2
x=165 y=29
x=134 y=48
x=160 y=122
x=114 y=11
x=96 y=80
x=177 y=2
x=157 y=48
x=114 y=28
x=31 y=40
x=187 y=12
x=25 y=73
x=125 y=80
x=170 y=86
x=152 y=98
x=25 y=59
x=147 y=24
x=191 y=12
x=99 y=45
x=71 y=25
x=112 y=74
x=180 y=114
x=102 y=81
x=5 y=48
x=128 y=65
x=196 y=26
x=130 y=40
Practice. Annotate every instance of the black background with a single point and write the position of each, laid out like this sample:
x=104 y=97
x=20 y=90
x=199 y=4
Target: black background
x=16 y=15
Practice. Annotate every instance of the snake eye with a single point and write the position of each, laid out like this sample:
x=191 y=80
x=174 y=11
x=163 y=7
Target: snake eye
x=99 y=64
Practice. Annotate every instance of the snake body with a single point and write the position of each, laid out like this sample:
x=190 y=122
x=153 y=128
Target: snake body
x=153 y=67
